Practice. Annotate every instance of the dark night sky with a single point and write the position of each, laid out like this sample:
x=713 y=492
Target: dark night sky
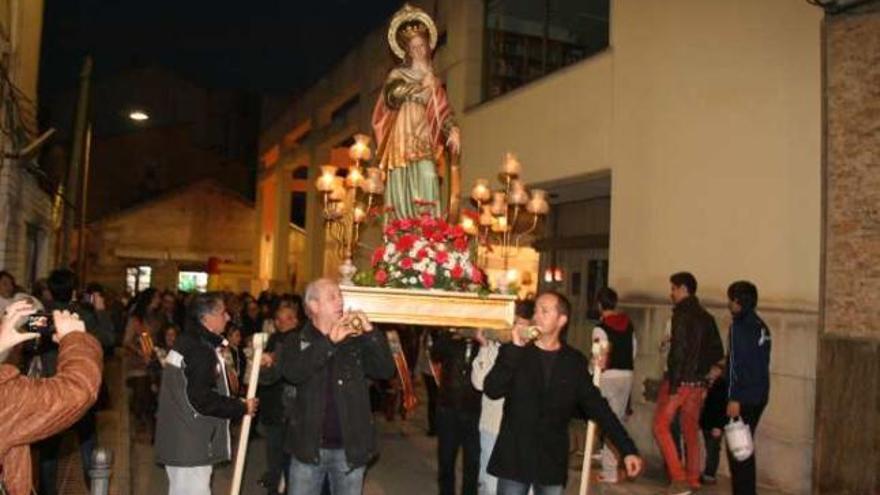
x=258 y=45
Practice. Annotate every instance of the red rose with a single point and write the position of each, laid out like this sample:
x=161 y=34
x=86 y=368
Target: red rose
x=390 y=231
x=405 y=243
x=427 y=280
x=457 y=231
x=457 y=271
x=422 y=254
x=442 y=257
x=406 y=263
x=378 y=254
x=437 y=236
x=381 y=277
x=477 y=275
x=460 y=244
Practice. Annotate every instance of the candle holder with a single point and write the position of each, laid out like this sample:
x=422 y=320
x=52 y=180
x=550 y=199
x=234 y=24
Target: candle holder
x=501 y=212
x=348 y=201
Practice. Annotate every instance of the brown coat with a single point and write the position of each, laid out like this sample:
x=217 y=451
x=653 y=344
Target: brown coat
x=36 y=408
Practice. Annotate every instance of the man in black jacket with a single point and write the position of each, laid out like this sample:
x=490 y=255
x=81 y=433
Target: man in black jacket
x=543 y=383
x=192 y=427
x=458 y=412
x=749 y=374
x=275 y=393
x=330 y=431
x=695 y=348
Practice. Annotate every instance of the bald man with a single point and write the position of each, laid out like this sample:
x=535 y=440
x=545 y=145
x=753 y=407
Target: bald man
x=331 y=360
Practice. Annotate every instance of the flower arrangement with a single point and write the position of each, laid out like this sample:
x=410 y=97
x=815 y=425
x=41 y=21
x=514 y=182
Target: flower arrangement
x=425 y=253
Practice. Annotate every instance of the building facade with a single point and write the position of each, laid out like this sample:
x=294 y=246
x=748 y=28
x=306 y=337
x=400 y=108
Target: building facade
x=686 y=135
x=26 y=226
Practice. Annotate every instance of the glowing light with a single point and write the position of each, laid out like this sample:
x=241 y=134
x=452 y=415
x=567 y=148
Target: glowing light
x=138 y=116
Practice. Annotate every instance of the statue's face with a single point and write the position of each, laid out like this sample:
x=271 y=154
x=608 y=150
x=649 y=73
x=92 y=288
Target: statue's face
x=418 y=49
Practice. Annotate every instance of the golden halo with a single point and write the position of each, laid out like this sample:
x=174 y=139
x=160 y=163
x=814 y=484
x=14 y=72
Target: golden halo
x=407 y=14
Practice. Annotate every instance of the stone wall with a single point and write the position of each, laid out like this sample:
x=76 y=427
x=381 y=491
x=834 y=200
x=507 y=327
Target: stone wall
x=785 y=435
x=23 y=203
x=847 y=458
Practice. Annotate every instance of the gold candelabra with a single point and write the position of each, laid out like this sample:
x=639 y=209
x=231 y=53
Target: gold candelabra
x=509 y=213
x=348 y=200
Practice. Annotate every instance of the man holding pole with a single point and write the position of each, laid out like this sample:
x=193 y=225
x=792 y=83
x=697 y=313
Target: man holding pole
x=192 y=432
x=331 y=433
x=542 y=383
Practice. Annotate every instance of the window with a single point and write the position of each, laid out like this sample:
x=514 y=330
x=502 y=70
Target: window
x=192 y=281
x=298 y=200
x=138 y=278
x=528 y=39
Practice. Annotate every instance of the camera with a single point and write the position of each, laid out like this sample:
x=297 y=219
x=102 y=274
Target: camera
x=41 y=322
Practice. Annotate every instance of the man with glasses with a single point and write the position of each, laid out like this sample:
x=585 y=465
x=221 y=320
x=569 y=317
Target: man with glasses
x=195 y=406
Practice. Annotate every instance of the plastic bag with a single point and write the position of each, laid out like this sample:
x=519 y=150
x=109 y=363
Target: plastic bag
x=739 y=439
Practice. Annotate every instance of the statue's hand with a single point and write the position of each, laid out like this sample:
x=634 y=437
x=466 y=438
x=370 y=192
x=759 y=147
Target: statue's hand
x=454 y=141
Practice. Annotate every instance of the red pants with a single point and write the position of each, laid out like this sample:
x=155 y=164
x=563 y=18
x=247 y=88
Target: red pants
x=689 y=400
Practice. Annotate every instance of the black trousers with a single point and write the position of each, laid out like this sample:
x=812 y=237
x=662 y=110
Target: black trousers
x=742 y=473
x=713 y=453
x=458 y=429
x=277 y=461
x=431 y=387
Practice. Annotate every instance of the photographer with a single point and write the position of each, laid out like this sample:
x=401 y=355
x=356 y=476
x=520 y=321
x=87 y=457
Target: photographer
x=62 y=285
x=33 y=409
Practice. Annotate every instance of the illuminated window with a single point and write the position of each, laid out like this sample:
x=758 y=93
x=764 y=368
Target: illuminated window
x=138 y=278
x=192 y=281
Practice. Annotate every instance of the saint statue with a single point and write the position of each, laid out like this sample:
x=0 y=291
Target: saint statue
x=413 y=121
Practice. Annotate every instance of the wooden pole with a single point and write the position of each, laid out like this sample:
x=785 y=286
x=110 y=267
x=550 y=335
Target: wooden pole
x=597 y=351
x=240 y=455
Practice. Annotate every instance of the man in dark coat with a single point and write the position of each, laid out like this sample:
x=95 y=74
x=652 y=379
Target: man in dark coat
x=195 y=407
x=331 y=434
x=695 y=349
x=748 y=370
x=543 y=383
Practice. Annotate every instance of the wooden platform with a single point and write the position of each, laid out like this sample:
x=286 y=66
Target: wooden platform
x=431 y=307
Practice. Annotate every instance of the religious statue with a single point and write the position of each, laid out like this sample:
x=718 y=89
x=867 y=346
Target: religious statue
x=413 y=121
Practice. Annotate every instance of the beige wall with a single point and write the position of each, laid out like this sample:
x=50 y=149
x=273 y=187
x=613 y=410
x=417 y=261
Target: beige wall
x=558 y=126
x=183 y=229
x=708 y=115
x=716 y=146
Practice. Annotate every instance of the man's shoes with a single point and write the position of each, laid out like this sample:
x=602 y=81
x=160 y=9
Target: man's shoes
x=708 y=480
x=679 y=488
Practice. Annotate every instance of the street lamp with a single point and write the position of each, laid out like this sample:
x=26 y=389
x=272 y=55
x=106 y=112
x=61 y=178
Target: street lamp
x=138 y=116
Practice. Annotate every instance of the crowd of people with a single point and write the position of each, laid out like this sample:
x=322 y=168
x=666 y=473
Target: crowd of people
x=505 y=403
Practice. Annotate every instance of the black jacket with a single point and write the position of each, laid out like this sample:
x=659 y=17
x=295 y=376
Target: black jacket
x=532 y=445
x=274 y=392
x=749 y=361
x=456 y=356
x=304 y=362
x=192 y=424
x=696 y=343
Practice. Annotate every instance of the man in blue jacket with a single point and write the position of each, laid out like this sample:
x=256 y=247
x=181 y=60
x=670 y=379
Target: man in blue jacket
x=748 y=370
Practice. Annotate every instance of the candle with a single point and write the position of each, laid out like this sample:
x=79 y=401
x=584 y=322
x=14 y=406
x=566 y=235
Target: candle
x=360 y=213
x=511 y=166
x=481 y=191
x=518 y=194
x=467 y=223
x=500 y=224
x=325 y=181
x=538 y=204
x=373 y=184
x=360 y=150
